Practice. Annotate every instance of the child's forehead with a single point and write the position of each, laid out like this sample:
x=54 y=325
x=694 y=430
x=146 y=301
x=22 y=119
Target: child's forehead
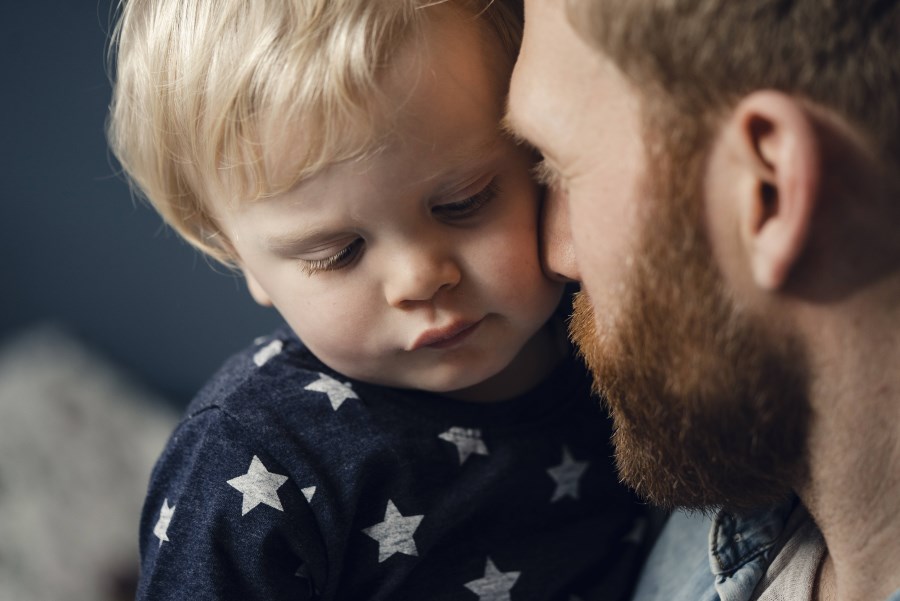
x=439 y=89
x=375 y=195
x=400 y=170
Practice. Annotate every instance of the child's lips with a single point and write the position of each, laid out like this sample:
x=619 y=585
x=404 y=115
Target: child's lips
x=451 y=335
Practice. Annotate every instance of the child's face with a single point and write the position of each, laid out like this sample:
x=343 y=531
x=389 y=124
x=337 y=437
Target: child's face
x=417 y=267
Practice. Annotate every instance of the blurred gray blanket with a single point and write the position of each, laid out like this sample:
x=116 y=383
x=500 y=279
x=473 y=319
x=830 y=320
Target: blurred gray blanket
x=77 y=442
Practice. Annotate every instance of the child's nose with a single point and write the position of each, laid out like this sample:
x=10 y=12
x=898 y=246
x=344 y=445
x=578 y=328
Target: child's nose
x=419 y=275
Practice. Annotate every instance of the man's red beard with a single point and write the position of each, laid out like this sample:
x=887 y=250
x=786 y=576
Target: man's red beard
x=710 y=407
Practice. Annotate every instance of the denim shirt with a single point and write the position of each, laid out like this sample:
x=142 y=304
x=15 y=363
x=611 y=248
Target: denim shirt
x=699 y=558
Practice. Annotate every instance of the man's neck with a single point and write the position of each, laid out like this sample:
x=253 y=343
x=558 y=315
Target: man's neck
x=824 y=589
x=853 y=491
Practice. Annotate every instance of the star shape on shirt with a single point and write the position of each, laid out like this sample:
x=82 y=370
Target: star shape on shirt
x=494 y=585
x=162 y=524
x=258 y=485
x=567 y=476
x=262 y=356
x=395 y=533
x=467 y=441
x=308 y=492
x=337 y=392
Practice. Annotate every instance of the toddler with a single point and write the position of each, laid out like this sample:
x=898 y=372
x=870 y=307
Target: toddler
x=419 y=429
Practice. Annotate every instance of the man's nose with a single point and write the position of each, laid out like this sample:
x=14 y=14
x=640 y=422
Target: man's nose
x=556 y=238
x=418 y=274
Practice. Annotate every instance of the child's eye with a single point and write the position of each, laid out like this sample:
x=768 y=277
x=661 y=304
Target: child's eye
x=468 y=207
x=339 y=260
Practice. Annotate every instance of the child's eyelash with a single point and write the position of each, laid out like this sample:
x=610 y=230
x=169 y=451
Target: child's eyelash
x=471 y=205
x=460 y=210
x=338 y=260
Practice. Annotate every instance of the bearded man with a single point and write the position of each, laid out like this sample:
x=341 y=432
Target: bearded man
x=728 y=178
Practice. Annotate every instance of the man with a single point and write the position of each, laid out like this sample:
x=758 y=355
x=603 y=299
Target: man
x=731 y=176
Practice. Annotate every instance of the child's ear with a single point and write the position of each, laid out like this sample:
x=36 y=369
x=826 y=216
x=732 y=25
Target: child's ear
x=775 y=142
x=256 y=291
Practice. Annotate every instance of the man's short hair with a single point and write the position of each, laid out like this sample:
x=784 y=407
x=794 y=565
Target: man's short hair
x=235 y=100
x=702 y=56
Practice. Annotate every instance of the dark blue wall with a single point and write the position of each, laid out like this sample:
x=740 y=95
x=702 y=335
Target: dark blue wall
x=74 y=248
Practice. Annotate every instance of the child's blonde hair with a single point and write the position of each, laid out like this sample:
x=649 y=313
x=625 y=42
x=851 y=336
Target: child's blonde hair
x=238 y=99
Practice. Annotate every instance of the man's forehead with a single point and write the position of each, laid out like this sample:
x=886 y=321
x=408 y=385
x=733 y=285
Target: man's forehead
x=513 y=127
x=554 y=82
x=531 y=89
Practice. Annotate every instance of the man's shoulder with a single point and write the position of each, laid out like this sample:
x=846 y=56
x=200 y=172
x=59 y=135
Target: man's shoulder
x=678 y=566
x=706 y=557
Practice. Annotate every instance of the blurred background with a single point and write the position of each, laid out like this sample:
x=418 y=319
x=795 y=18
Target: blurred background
x=108 y=322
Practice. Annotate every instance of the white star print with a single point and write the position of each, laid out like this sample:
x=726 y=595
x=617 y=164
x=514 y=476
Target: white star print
x=395 y=533
x=467 y=442
x=308 y=492
x=258 y=485
x=337 y=392
x=263 y=355
x=567 y=476
x=495 y=585
x=162 y=525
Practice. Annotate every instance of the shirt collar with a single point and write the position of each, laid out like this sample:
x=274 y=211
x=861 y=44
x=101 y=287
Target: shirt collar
x=736 y=539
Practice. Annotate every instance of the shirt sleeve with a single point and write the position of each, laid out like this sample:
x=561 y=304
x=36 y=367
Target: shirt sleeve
x=224 y=520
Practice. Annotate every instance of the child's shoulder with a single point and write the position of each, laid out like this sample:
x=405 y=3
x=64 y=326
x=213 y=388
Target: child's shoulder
x=273 y=371
x=274 y=401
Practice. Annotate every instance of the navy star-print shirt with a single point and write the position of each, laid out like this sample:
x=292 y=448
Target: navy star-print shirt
x=286 y=480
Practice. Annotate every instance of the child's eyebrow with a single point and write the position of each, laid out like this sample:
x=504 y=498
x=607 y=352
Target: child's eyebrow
x=292 y=242
x=479 y=153
x=464 y=162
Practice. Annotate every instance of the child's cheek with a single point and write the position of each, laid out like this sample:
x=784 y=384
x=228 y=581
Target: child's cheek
x=335 y=327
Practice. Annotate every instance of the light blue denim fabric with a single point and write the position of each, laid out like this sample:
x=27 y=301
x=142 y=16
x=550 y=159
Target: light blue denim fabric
x=678 y=566
x=702 y=559
x=698 y=558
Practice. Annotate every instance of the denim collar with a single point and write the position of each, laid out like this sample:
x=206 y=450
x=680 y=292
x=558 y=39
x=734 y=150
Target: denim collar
x=741 y=547
x=735 y=539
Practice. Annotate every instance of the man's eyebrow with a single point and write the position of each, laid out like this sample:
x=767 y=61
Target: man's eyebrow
x=508 y=127
x=546 y=174
x=544 y=171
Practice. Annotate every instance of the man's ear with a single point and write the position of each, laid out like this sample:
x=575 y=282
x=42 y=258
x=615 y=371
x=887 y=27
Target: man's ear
x=775 y=141
x=256 y=291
